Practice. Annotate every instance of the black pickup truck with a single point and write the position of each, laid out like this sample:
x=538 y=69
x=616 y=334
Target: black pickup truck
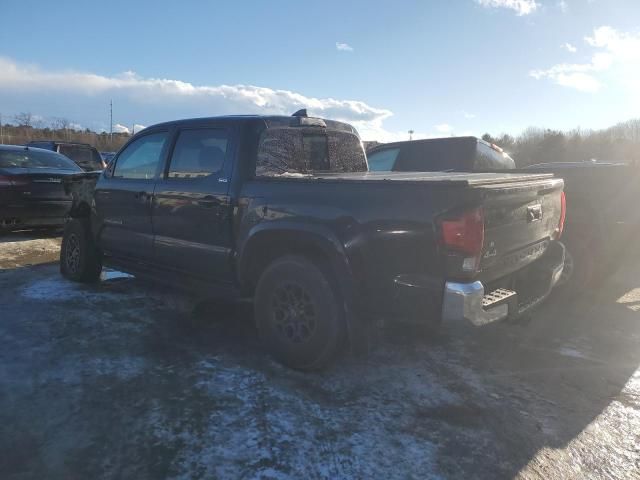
x=284 y=210
x=603 y=223
x=450 y=154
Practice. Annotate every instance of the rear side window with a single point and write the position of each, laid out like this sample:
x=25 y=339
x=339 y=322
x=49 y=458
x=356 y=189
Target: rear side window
x=383 y=160
x=140 y=159
x=198 y=153
x=300 y=150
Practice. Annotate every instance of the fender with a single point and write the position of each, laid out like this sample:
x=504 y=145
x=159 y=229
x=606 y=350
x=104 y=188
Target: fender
x=319 y=238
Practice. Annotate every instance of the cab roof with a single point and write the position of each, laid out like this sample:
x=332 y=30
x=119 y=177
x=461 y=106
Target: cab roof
x=268 y=121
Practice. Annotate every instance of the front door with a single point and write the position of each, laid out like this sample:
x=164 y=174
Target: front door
x=191 y=208
x=123 y=199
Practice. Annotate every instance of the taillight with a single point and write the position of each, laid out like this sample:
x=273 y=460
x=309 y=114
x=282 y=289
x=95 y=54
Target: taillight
x=5 y=181
x=563 y=215
x=465 y=234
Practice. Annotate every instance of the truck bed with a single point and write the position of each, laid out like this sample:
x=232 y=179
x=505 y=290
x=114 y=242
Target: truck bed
x=433 y=178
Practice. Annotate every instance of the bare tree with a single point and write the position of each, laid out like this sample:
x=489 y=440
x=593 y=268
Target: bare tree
x=60 y=123
x=24 y=119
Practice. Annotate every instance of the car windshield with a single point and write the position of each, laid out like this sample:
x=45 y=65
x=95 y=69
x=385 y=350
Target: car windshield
x=29 y=158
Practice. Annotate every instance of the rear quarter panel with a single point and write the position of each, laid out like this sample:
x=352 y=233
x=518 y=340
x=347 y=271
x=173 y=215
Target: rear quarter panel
x=384 y=229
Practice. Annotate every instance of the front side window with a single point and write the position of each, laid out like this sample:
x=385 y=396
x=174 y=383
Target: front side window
x=383 y=160
x=141 y=158
x=198 y=153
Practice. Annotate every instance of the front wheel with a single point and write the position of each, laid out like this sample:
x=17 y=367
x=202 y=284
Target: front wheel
x=298 y=313
x=80 y=260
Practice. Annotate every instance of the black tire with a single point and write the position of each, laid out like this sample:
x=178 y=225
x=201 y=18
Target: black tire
x=299 y=314
x=80 y=260
x=579 y=275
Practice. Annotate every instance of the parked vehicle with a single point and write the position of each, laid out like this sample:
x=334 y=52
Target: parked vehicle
x=450 y=154
x=86 y=156
x=283 y=210
x=600 y=226
x=603 y=223
x=31 y=190
x=107 y=156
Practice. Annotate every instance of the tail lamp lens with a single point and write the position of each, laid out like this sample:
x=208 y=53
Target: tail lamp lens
x=563 y=215
x=5 y=181
x=465 y=234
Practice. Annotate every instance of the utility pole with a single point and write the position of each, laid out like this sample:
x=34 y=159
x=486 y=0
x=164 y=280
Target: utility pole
x=133 y=129
x=410 y=134
x=111 y=124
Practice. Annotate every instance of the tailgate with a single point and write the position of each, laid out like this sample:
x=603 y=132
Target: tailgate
x=520 y=220
x=42 y=184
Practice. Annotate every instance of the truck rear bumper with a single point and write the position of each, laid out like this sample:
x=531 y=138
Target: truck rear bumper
x=470 y=302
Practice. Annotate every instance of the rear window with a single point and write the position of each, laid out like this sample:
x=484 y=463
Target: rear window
x=383 y=160
x=488 y=159
x=292 y=150
x=87 y=158
x=35 y=159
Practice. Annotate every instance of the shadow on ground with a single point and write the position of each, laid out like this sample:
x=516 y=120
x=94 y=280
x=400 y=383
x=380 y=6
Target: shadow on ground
x=120 y=380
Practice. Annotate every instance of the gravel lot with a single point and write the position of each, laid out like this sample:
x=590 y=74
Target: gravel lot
x=121 y=380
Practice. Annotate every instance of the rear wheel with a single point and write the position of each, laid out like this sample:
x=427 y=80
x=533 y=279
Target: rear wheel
x=579 y=271
x=298 y=313
x=80 y=260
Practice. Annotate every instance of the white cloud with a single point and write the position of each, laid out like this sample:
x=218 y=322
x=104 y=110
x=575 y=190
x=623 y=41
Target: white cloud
x=159 y=96
x=569 y=47
x=344 y=47
x=468 y=115
x=443 y=128
x=616 y=53
x=563 y=6
x=521 y=7
x=119 y=128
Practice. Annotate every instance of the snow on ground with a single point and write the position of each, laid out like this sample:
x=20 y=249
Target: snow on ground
x=18 y=249
x=119 y=380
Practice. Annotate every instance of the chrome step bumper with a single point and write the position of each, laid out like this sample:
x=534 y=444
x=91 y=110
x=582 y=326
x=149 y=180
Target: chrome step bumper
x=468 y=301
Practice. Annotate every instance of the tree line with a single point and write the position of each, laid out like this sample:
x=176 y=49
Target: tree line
x=620 y=143
x=27 y=127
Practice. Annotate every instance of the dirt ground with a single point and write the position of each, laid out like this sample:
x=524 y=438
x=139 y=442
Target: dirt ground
x=122 y=380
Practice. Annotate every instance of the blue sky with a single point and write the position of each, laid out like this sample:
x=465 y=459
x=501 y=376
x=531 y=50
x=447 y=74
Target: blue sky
x=437 y=67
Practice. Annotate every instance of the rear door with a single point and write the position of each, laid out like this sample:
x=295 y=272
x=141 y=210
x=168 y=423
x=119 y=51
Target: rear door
x=191 y=205
x=123 y=198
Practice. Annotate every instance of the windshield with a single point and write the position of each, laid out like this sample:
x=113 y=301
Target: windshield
x=29 y=158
